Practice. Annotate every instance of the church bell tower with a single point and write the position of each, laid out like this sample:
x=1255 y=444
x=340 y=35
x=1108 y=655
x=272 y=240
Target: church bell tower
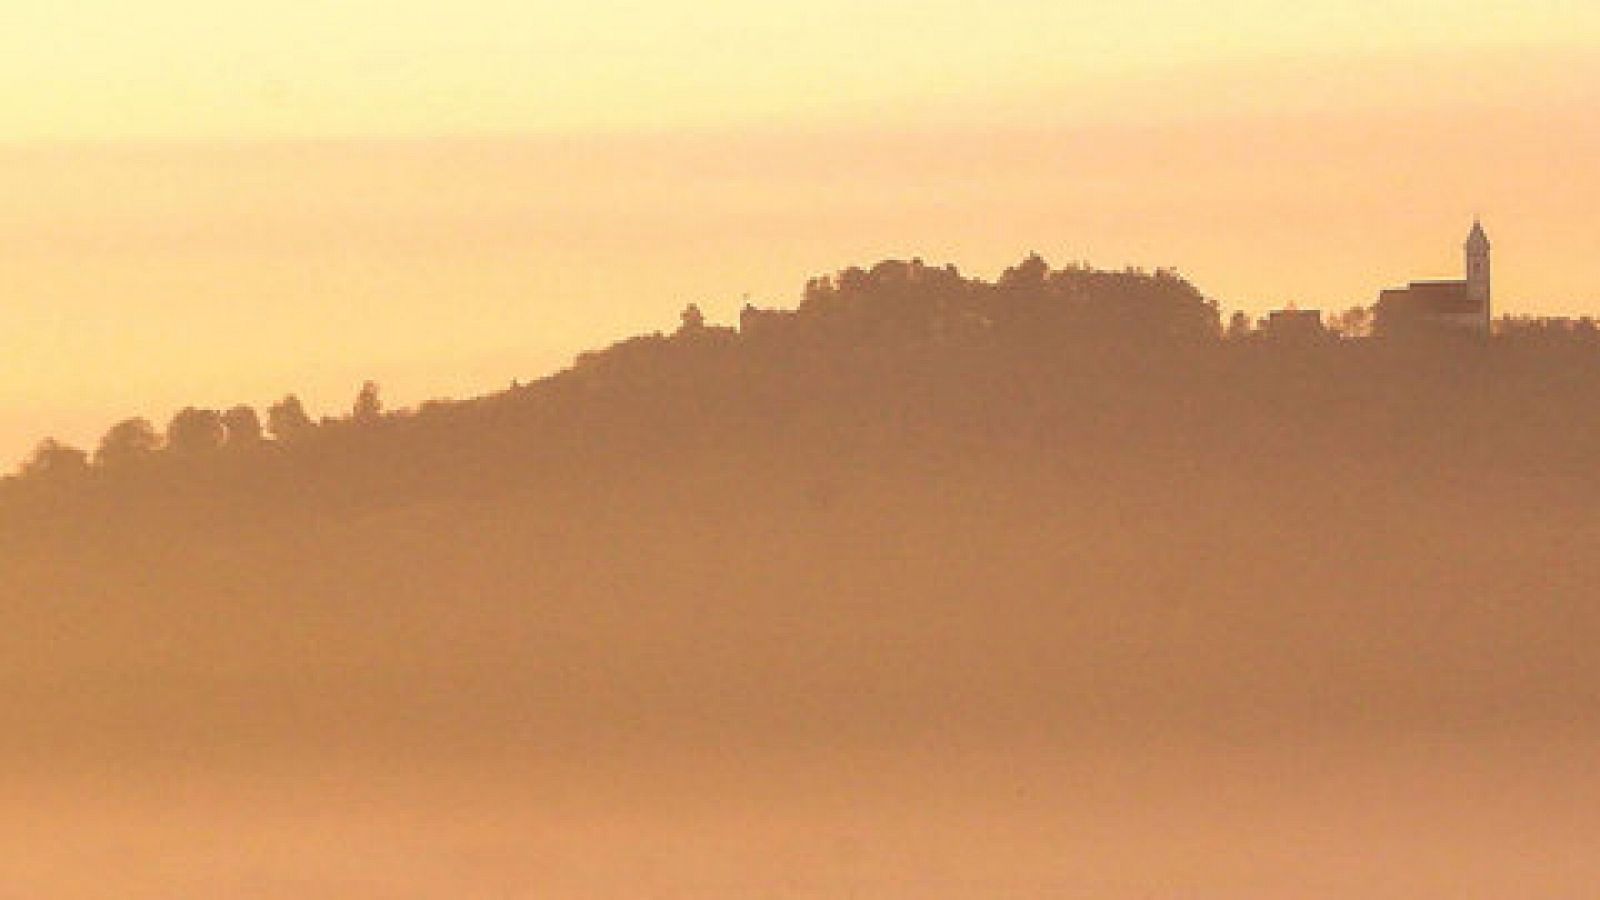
x=1478 y=270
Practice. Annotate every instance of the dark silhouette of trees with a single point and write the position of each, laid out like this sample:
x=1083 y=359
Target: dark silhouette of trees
x=287 y=420
x=1030 y=274
x=691 y=319
x=1030 y=308
x=1353 y=323
x=368 y=406
x=1545 y=332
x=127 y=443
x=1239 y=327
x=243 y=426
x=195 y=431
x=53 y=459
x=1068 y=356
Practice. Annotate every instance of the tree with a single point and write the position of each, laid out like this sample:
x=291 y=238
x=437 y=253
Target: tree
x=693 y=319
x=1239 y=326
x=194 y=431
x=369 y=407
x=287 y=419
x=243 y=426
x=1355 y=322
x=127 y=443
x=1030 y=273
x=53 y=459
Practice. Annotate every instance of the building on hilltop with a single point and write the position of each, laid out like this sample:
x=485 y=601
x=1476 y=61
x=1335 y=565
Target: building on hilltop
x=754 y=321
x=1442 y=307
x=1294 y=324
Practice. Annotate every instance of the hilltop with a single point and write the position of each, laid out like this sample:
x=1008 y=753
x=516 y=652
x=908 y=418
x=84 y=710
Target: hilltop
x=1068 y=502
x=1084 y=367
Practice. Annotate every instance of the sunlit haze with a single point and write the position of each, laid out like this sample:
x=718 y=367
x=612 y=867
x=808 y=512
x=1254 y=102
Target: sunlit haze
x=875 y=449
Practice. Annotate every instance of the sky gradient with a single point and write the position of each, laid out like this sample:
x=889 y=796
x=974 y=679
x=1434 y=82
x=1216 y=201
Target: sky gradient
x=210 y=203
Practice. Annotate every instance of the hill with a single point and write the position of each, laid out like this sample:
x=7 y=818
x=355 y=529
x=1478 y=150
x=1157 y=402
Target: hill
x=1064 y=501
x=1060 y=553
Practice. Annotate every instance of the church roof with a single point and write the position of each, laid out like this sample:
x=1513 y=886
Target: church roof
x=1431 y=298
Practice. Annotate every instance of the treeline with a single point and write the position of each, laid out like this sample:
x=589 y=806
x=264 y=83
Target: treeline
x=193 y=432
x=1078 y=354
x=1061 y=501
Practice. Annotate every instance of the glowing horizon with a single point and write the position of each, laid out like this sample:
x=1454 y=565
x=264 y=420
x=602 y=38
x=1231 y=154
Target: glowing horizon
x=182 y=69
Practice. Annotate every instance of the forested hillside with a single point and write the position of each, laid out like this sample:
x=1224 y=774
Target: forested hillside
x=1066 y=503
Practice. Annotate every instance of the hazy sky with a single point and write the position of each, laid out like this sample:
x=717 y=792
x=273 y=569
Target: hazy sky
x=111 y=69
x=212 y=202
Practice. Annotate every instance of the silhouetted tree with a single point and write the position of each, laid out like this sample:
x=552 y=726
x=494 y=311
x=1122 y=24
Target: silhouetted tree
x=53 y=459
x=196 y=431
x=1030 y=273
x=1239 y=327
x=127 y=443
x=287 y=420
x=692 y=318
x=915 y=348
x=243 y=426
x=1355 y=322
x=369 y=406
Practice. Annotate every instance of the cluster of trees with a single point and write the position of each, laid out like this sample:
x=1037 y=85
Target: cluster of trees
x=192 y=432
x=938 y=346
x=1355 y=323
x=1029 y=302
x=1058 y=498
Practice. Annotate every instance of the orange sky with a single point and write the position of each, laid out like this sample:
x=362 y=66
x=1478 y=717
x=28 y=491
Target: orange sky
x=211 y=203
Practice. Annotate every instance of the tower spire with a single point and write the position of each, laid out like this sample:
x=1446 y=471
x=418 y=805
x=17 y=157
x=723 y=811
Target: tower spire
x=1477 y=239
x=1478 y=271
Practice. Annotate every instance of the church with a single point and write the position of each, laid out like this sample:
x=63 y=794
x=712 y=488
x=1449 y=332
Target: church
x=1442 y=307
